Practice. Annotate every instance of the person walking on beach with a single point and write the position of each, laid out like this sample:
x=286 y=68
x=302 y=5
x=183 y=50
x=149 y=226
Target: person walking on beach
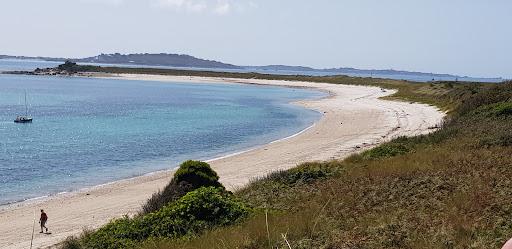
x=43 y=220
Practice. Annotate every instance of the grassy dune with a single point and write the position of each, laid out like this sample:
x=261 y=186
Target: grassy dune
x=448 y=189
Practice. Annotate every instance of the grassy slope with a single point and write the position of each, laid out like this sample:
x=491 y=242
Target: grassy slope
x=450 y=189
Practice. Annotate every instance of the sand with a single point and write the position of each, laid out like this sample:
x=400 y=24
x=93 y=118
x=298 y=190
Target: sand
x=354 y=119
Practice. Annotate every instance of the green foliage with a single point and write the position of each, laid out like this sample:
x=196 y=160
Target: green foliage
x=263 y=192
x=503 y=108
x=500 y=109
x=69 y=66
x=492 y=94
x=190 y=175
x=170 y=193
x=304 y=173
x=197 y=173
x=72 y=67
x=386 y=150
x=198 y=210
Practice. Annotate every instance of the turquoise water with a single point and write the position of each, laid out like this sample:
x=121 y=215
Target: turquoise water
x=91 y=131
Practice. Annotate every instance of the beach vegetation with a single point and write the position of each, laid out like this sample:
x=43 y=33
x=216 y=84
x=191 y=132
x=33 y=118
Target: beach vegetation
x=198 y=210
x=190 y=175
x=69 y=66
x=498 y=109
x=197 y=173
x=304 y=173
x=396 y=147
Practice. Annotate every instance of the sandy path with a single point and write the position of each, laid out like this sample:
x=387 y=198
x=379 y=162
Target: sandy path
x=353 y=119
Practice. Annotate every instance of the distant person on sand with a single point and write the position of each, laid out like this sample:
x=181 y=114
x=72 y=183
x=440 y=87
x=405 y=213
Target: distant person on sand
x=43 y=220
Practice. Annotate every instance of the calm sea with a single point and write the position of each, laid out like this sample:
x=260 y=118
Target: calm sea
x=91 y=131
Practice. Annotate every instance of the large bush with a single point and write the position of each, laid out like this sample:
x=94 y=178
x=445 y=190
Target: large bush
x=198 y=174
x=191 y=175
x=201 y=209
x=170 y=193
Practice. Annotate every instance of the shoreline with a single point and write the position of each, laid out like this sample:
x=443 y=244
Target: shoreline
x=222 y=155
x=366 y=122
x=64 y=194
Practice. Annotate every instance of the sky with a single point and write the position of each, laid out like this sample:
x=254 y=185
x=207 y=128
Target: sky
x=463 y=37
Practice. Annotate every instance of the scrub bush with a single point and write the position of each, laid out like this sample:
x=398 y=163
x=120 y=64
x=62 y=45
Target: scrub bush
x=198 y=174
x=200 y=209
x=191 y=175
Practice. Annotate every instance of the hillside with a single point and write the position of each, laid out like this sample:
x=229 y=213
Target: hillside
x=170 y=60
x=449 y=189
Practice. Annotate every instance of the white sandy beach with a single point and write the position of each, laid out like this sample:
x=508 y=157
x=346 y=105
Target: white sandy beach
x=354 y=118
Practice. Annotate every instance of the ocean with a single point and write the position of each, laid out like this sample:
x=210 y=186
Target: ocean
x=89 y=131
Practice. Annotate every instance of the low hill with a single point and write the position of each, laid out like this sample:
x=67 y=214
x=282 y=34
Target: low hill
x=170 y=60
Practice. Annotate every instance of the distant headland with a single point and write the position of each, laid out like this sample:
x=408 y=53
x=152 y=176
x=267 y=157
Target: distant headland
x=191 y=62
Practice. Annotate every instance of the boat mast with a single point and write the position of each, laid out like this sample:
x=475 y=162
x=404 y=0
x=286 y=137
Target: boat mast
x=26 y=107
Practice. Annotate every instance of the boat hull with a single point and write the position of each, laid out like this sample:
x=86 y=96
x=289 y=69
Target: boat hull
x=23 y=121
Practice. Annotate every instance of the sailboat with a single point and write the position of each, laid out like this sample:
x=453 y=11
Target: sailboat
x=26 y=118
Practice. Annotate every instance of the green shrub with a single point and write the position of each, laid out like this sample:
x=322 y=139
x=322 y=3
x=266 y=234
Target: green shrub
x=386 y=150
x=191 y=175
x=497 y=93
x=502 y=109
x=304 y=173
x=201 y=209
x=197 y=173
x=170 y=193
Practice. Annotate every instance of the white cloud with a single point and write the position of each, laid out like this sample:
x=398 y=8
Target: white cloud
x=218 y=7
x=222 y=8
x=109 y=2
x=186 y=5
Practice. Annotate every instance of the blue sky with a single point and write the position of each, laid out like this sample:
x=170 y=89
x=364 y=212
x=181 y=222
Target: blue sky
x=465 y=37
